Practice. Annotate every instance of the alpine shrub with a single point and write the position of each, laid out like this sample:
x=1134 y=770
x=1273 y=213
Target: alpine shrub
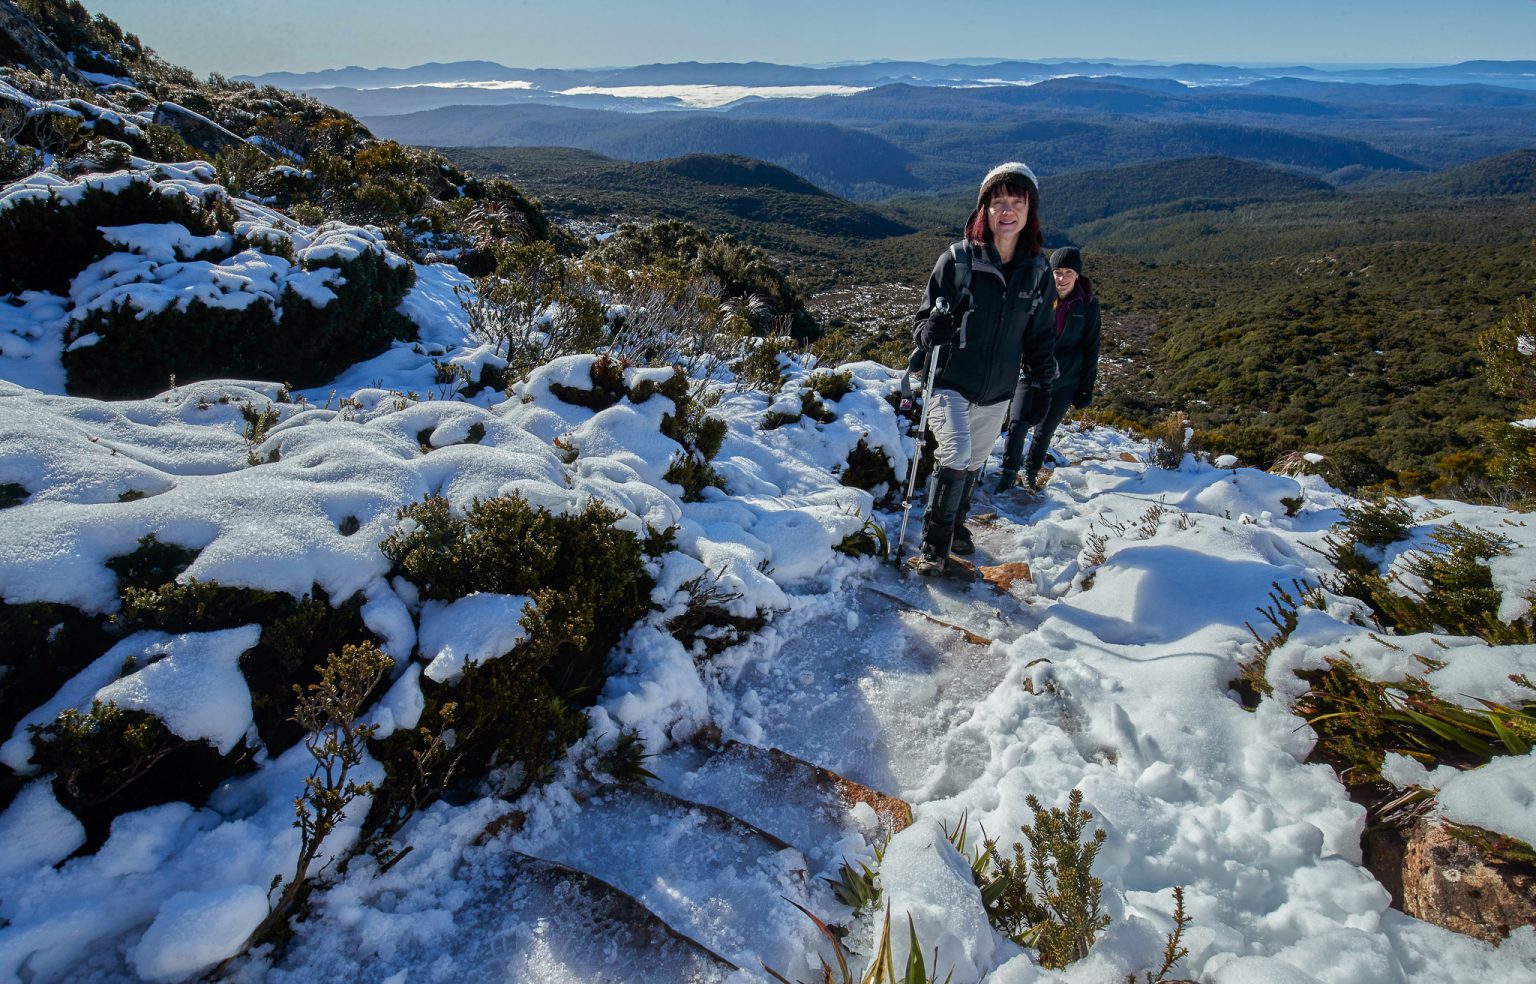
x=1377 y=522
x=812 y=407
x=499 y=728
x=706 y=627
x=294 y=638
x=868 y=469
x=1450 y=589
x=773 y=419
x=867 y=541
x=296 y=635
x=1252 y=681
x=1459 y=594
x=328 y=711
x=761 y=368
x=137 y=351
x=608 y=386
x=693 y=475
x=45 y=645
x=700 y=435
x=1173 y=440
x=1358 y=720
x=506 y=546
x=109 y=761
x=534 y=308
x=1061 y=916
x=46 y=241
x=625 y=761
x=831 y=386
x=151 y=564
x=588 y=584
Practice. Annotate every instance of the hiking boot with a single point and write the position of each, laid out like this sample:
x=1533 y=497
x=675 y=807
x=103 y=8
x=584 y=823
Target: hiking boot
x=962 y=544
x=928 y=565
x=1007 y=480
x=1031 y=480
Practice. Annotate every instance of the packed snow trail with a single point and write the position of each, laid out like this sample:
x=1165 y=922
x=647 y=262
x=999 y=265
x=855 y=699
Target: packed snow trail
x=1122 y=691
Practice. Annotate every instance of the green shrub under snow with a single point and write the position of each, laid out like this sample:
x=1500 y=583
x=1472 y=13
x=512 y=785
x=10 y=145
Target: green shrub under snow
x=237 y=307
x=138 y=353
x=110 y=760
x=45 y=645
x=588 y=584
x=700 y=434
x=47 y=239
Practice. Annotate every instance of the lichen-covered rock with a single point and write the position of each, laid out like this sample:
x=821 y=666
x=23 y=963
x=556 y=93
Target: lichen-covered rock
x=1452 y=883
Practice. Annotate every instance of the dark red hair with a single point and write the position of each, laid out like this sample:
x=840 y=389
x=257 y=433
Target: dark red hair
x=1030 y=237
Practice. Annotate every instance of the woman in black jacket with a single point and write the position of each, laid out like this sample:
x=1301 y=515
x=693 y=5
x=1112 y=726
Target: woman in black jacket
x=988 y=307
x=1077 y=369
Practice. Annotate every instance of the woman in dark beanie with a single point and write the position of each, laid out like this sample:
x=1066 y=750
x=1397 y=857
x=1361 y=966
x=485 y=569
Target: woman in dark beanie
x=1077 y=368
x=988 y=308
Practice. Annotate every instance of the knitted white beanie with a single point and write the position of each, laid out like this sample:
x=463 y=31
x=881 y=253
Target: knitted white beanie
x=1004 y=172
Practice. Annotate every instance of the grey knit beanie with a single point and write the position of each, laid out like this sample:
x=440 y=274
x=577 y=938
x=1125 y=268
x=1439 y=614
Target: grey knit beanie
x=1013 y=170
x=1067 y=258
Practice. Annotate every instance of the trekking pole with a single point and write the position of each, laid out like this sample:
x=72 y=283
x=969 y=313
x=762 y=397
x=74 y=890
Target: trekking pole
x=941 y=306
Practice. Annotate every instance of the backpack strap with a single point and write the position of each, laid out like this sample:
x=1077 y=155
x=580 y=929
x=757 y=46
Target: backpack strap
x=960 y=252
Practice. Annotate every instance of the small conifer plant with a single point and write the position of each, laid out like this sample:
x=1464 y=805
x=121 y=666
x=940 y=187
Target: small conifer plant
x=1061 y=916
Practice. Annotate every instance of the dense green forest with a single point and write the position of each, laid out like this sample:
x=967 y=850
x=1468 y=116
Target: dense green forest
x=1368 y=354
x=821 y=237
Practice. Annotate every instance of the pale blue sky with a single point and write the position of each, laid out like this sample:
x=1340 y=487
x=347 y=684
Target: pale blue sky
x=254 y=36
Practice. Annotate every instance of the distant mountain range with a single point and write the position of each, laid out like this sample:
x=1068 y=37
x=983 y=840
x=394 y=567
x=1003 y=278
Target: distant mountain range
x=373 y=90
x=871 y=131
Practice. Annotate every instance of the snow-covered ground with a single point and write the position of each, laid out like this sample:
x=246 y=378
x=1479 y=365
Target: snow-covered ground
x=1109 y=675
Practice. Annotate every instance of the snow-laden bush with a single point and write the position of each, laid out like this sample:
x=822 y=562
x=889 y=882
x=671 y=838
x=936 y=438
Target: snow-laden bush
x=252 y=314
x=580 y=582
x=51 y=229
x=167 y=277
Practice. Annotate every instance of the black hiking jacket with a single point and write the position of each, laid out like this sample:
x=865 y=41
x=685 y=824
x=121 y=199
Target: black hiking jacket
x=1010 y=332
x=1077 y=347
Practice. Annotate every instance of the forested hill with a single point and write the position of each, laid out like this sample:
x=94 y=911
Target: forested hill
x=849 y=162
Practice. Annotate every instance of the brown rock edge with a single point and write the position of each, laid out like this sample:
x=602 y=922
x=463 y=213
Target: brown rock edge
x=1441 y=874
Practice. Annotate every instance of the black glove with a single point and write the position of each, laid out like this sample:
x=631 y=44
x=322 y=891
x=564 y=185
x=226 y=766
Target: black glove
x=1036 y=407
x=1082 y=398
x=939 y=329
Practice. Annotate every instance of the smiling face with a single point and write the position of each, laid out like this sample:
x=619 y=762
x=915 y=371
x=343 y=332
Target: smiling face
x=1006 y=215
x=1066 y=279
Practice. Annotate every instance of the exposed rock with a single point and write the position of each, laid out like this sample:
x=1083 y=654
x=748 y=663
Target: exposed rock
x=22 y=42
x=1003 y=576
x=1440 y=878
x=198 y=130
